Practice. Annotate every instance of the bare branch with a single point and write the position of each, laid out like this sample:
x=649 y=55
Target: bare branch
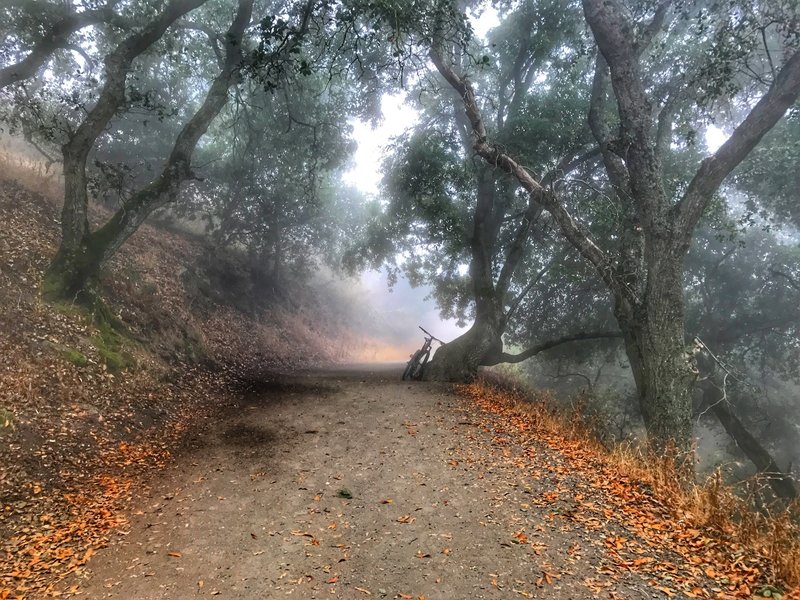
x=789 y=279
x=521 y=296
x=534 y=350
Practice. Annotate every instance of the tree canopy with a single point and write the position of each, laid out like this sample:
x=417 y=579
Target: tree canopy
x=560 y=185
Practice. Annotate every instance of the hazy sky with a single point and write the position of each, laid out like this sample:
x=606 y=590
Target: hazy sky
x=406 y=305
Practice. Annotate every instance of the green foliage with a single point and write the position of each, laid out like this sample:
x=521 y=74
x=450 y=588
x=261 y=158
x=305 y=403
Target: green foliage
x=770 y=176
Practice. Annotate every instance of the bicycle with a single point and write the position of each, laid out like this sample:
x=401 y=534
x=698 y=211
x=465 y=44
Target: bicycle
x=420 y=358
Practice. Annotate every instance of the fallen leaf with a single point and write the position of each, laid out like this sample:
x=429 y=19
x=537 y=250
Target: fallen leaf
x=406 y=519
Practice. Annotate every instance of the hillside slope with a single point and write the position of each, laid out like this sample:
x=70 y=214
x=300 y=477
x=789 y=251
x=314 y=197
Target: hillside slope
x=89 y=403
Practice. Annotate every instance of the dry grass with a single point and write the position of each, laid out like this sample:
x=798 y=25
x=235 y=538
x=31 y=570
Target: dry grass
x=736 y=515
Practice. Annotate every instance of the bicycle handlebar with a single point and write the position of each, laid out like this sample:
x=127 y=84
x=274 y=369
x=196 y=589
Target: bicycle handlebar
x=430 y=335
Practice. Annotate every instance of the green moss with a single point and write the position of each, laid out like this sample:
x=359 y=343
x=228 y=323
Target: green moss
x=6 y=421
x=52 y=287
x=75 y=357
x=110 y=347
x=115 y=359
x=110 y=338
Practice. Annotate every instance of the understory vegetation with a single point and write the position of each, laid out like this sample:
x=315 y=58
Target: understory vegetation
x=712 y=519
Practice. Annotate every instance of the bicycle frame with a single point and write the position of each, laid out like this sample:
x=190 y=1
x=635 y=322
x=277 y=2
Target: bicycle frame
x=420 y=358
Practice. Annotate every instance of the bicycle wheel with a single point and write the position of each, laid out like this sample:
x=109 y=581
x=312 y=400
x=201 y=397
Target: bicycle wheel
x=411 y=366
x=416 y=374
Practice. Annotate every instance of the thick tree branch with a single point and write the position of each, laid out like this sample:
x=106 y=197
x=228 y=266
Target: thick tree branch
x=616 y=39
x=783 y=92
x=534 y=350
x=177 y=169
x=654 y=26
x=54 y=39
x=575 y=233
x=615 y=166
x=74 y=222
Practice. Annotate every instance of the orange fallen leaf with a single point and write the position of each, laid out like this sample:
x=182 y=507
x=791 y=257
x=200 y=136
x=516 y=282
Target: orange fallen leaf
x=406 y=519
x=174 y=554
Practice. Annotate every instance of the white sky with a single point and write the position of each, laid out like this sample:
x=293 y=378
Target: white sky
x=365 y=174
x=715 y=137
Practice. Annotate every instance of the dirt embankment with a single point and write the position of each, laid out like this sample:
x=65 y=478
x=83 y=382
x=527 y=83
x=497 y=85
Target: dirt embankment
x=87 y=405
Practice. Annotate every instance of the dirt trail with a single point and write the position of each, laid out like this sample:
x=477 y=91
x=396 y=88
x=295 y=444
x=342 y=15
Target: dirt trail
x=255 y=509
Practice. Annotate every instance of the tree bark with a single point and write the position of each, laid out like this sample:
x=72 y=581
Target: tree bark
x=77 y=253
x=458 y=361
x=505 y=358
x=645 y=282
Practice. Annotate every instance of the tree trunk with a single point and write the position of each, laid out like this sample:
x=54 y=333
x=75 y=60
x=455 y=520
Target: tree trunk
x=714 y=398
x=654 y=342
x=458 y=361
x=82 y=252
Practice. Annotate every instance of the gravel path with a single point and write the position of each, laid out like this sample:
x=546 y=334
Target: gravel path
x=350 y=484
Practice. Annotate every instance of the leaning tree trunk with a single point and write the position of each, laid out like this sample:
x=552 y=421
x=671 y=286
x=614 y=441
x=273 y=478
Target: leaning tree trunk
x=458 y=361
x=714 y=398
